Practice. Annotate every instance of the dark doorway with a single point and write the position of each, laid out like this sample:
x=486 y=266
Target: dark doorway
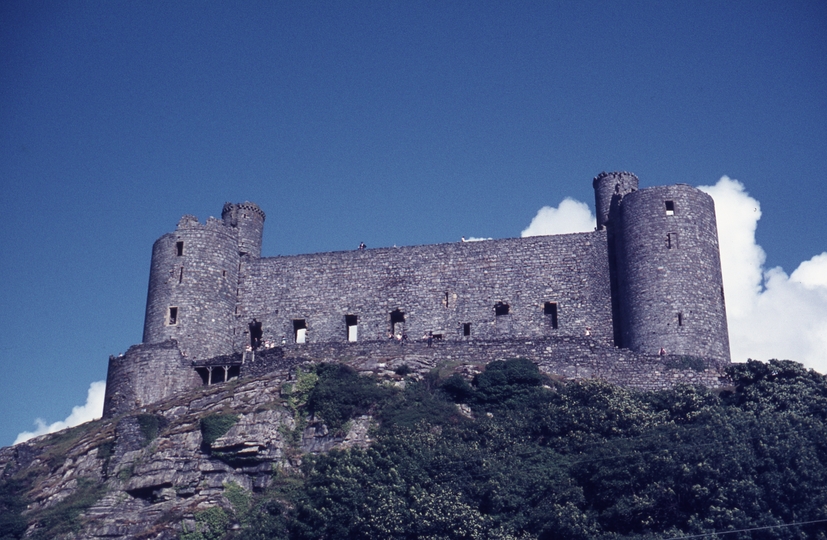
x=397 y=322
x=256 y=333
x=550 y=312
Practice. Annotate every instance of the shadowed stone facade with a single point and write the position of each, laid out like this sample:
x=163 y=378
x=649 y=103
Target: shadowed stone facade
x=598 y=304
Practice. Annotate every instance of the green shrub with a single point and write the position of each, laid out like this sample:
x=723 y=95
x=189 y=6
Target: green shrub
x=685 y=362
x=105 y=450
x=341 y=394
x=403 y=370
x=457 y=388
x=505 y=381
x=419 y=402
x=210 y=524
x=150 y=425
x=239 y=497
x=216 y=425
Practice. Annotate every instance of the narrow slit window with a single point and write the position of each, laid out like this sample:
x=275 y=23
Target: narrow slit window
x=446 y=300
x=179 y=248
x=500 y=309
x=466 y=329
x=300 y=330
x=672 y=240
x=181 y=275
x=550 y=311
x=172 y=316
x=670 y=208
x=680 y=319
x=351 y=322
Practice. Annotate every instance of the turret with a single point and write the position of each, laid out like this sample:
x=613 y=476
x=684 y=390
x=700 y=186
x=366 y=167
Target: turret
x=609 y=188
x=192 y=288
x=248 y=220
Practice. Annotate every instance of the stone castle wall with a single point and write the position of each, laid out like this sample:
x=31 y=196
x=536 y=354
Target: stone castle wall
x=451 y=290
x=567 y=357
x=648 y=279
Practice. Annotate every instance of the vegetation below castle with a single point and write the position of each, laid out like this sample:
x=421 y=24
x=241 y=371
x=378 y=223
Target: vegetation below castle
x=545 y=460
x=511 y=454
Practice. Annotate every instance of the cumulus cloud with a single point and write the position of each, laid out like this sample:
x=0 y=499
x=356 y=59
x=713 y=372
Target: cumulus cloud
x=770 y=314
x=570 y=217
x=91 y=410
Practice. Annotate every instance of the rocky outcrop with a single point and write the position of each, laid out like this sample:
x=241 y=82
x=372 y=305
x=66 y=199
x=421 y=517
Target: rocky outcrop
x=143 y=475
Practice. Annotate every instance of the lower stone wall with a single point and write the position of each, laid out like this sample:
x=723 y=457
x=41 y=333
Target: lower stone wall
x=146 y=374
x=567 y=357
x=149 y=374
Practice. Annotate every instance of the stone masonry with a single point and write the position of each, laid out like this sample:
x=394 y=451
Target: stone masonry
x=640 y=293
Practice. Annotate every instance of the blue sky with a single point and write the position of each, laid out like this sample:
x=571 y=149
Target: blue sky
x=384 y=122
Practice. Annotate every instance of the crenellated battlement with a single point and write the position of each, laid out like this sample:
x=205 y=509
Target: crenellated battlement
x=246 y=206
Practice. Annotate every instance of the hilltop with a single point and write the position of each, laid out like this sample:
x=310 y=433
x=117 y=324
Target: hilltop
x=471 y=451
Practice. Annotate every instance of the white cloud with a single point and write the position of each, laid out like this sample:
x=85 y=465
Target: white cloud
x=91 y=410
x=570 y=217
x=770 y=314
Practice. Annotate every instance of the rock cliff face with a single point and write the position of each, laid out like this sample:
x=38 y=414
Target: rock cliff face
x=146 y=475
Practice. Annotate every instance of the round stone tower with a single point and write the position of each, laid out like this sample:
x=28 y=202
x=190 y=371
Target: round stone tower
x=670 y=290
x=609 y=188
x=192 y=288
x=248 y=219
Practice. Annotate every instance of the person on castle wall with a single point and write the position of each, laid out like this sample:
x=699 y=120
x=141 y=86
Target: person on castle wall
x=362 y=246
x=588 y=331
x=284 y=340
x=662 y=352
x=404 y=338
x=430 y=338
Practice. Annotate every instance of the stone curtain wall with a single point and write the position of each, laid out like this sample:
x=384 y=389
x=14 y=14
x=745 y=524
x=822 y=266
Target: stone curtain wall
x=669 y=273
x=439 y=288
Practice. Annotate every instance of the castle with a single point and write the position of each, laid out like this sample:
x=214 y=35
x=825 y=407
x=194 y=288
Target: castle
x=642 y=290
